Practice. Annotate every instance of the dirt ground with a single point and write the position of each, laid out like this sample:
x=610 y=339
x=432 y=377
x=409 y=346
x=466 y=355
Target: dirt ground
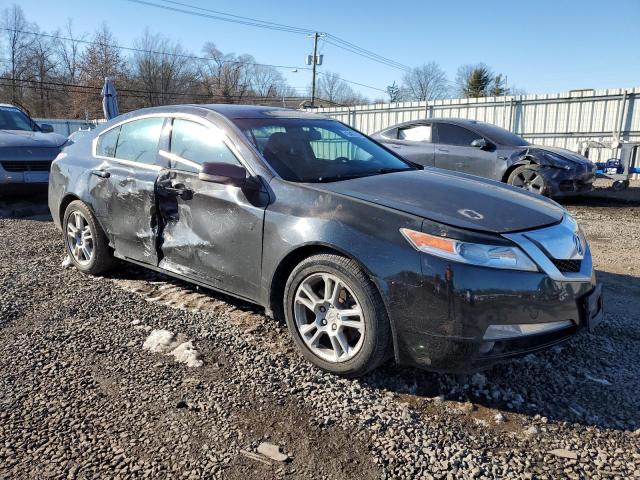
x=81 y=398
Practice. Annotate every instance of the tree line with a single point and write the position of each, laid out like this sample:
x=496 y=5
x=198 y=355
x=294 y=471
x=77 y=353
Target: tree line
x=429 y=82
x=61 y=74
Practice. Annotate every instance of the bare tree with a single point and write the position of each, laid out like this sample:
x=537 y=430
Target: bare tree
x=101 y=59
x=14 y=31
x=162 y=69
x=332 y=88
x=225 y=77
x=69 y=52
x=42 y=71
x=426 y=82
x=267 y=81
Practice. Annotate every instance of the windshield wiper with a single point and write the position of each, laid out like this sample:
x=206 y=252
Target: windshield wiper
x=337 y=178
x=392 y=170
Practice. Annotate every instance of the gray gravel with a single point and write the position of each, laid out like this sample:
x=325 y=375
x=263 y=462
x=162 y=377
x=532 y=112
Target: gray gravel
x=81 y=398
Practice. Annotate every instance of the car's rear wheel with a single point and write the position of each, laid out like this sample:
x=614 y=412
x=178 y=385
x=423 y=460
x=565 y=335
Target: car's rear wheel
x=529 y=178
x=85 y=241
x=336 y=316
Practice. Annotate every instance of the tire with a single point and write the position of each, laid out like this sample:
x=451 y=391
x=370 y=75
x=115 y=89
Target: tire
x=529 y=178
x=100 y=258
x=367 y=334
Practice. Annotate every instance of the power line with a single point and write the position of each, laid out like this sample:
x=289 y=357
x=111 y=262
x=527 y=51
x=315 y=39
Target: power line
x=153 y=52
x=135 y=93
x=180 y=55
x=303 y=31
x=227 y=17
x=239 y=20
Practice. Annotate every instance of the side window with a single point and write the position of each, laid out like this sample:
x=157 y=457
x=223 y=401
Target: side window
x=106 y=146
x=192 y=144
x=138 y=140
x=454 y=135
x=415 y=133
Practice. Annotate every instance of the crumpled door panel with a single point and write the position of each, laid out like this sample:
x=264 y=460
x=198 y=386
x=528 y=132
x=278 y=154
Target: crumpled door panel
x=211 y=232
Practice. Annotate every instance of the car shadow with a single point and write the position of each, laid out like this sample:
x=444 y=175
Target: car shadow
x=591 y=379
x=31 y=205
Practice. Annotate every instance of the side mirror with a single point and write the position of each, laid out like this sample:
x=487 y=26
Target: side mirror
x=224 y=173
x=480 y=143
x=46 y=128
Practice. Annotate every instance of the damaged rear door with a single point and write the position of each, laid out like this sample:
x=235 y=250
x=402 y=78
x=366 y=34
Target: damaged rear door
x=208 y=231
x=125 y=193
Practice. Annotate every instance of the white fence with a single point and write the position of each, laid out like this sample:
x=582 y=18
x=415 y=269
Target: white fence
x=562 y=119
x=66 y=127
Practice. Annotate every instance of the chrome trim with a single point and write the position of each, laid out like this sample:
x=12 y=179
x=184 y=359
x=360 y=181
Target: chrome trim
x=174 y=115
x=563 y=241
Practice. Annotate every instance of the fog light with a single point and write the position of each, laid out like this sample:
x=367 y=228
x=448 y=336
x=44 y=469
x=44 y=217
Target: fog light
x=501 y=332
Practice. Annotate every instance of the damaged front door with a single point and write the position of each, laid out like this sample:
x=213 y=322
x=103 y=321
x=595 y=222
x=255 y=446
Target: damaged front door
x=208 y=231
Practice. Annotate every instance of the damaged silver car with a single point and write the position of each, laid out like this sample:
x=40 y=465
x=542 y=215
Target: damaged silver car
x=483 y=149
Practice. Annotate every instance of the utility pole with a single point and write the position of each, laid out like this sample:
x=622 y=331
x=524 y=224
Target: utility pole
x=314 y=59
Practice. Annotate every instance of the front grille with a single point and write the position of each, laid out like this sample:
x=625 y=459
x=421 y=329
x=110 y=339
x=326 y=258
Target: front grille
x=567 y=265
x=26 y=166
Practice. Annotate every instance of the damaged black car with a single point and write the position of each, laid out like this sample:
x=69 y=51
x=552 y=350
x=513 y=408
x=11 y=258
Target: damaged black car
x=365 y=255
x=483 y=149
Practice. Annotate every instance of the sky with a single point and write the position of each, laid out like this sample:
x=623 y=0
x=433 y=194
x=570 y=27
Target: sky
x=542 y=46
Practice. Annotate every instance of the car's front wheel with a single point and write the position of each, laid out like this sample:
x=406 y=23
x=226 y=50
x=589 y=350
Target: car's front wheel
x=336 y=316
x=85 y=241
x=529 y=178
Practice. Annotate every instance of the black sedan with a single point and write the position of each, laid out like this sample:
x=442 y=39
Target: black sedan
x=363 y=253
x=483 y=149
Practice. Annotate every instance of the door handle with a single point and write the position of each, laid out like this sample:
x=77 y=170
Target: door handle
x=443 y=149
x=178 y=190
x=100 y=173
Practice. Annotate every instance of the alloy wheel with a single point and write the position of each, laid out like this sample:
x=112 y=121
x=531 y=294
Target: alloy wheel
x=329 y=317
x=79 y=238
x=529 y=180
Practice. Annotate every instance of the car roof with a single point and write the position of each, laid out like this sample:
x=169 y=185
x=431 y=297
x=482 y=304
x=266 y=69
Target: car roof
x=233 y=111
x=453 y=120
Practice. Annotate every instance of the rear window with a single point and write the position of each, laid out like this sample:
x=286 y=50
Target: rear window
x=107 y=143
x=415 y=133
x=138 y=140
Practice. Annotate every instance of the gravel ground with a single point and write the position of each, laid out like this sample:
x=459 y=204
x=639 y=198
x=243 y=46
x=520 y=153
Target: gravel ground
x=81 y=398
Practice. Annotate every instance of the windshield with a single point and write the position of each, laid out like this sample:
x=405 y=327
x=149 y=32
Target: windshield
x=310 y=150
x=14 y=119
x=500 y=135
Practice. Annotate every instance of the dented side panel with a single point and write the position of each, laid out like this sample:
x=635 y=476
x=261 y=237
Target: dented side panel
x=213 y=232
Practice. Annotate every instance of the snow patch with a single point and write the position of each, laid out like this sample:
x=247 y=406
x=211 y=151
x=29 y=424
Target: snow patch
x=164 y=341
x=160 y=341
x=66 y=263
x=186 y=353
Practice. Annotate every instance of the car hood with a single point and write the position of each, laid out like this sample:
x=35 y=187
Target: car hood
x=20 y=138
x=567 y=155
x=454 y=199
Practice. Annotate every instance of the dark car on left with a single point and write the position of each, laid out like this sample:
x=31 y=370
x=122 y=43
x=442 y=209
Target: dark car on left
x=26 y=151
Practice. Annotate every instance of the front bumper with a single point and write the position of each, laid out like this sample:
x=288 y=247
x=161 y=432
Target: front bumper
x=441 y=323
x=23 y=177
x=562 y=183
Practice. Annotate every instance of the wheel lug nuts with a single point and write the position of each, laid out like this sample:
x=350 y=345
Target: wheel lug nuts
x=322 y=309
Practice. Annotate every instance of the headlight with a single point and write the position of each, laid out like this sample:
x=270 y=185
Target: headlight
x=493 y=256
x=558 y=161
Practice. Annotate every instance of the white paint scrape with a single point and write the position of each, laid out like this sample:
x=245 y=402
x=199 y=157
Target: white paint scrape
x=164 y=341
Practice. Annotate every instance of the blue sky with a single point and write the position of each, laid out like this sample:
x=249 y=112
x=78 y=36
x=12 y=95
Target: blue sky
x=543 y=46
